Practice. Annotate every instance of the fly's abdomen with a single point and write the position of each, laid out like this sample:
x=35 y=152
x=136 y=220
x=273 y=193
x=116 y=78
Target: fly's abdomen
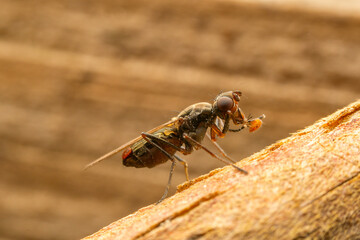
x=130 y=160
x=144 y=154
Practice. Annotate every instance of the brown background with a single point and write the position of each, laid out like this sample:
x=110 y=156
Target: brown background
x=79 y=78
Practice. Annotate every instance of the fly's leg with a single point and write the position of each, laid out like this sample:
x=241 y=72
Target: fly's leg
x=171 y=169
x=219 y=128
x=179 y=149
x=186 y=166
x=220 y=149
x=216 y=131
x=226 y=124
x=192 y=141
x=237 y=130
x=173 y=163
x=250 y=119
x=153 y=137
x=148 y=137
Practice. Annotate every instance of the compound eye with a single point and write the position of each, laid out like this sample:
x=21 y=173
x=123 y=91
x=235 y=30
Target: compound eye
x=225 y=103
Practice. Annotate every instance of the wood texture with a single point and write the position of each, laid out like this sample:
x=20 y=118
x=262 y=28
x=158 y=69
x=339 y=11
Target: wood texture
x=305 y=186
x=80 y=78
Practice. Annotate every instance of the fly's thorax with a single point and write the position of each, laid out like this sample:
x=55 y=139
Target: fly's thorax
x=194 y=115
x=200 y=132
x=195 y=109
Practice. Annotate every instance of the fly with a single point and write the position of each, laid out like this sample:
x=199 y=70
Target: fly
x=184 y=133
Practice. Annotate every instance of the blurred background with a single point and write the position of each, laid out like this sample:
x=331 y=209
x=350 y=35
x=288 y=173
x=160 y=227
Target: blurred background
x=80 y=78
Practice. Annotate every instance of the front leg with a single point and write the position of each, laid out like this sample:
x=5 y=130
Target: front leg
x=219 y=128
x=215 y=131
x=226 y=124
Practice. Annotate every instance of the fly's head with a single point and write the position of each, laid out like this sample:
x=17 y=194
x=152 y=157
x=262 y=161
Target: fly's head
x=226 y=105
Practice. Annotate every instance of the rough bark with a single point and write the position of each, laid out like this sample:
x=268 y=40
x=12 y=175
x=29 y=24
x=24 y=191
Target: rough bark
x=304 y=186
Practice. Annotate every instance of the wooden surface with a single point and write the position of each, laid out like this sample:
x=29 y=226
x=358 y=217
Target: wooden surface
x=304 y=186
x=79 y=78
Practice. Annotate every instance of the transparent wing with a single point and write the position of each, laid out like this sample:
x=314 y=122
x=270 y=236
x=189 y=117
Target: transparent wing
x=122 y=147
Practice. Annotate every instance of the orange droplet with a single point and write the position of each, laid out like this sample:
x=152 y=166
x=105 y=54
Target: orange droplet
x=254 y=125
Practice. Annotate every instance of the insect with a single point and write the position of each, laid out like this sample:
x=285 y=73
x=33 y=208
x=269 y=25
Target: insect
x=184 y=133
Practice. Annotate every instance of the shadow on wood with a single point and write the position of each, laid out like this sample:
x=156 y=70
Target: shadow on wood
x=305 y=186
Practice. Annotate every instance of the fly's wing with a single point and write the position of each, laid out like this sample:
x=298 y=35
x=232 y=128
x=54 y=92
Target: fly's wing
x=122 y=147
